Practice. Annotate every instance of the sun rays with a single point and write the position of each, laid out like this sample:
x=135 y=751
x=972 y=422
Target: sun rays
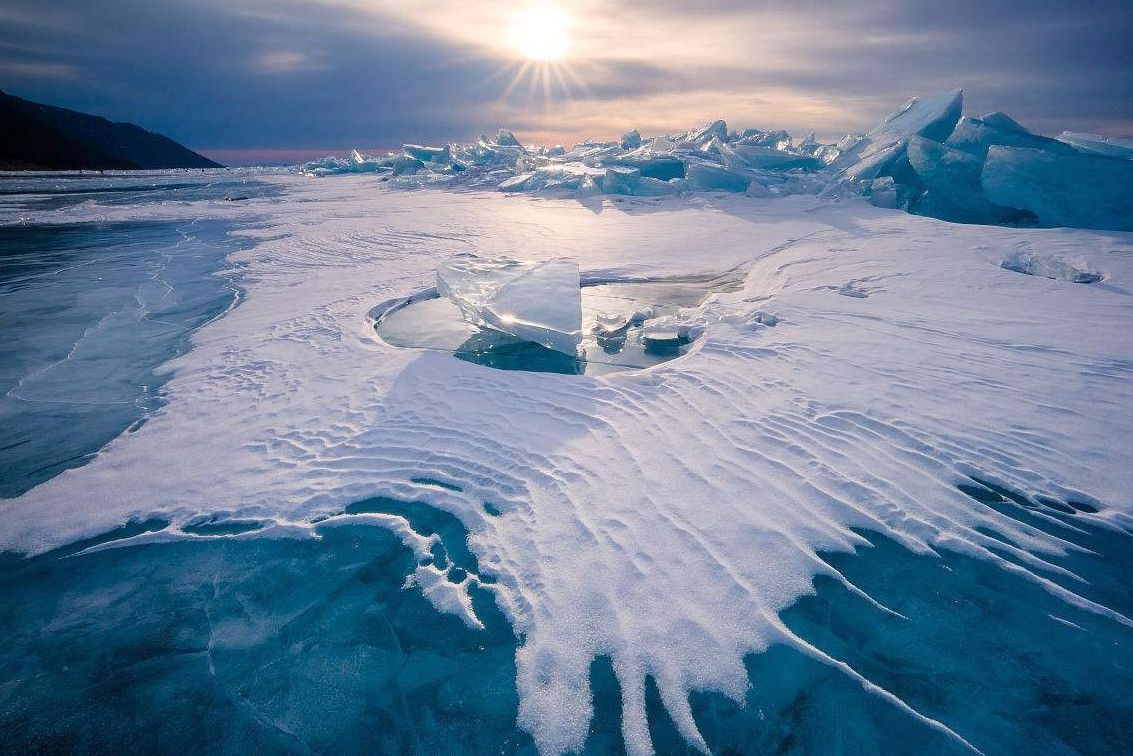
x=541 y=38
x=541 y=32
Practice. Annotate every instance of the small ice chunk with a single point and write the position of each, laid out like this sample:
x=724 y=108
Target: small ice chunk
x=705 y=178
x=756 y=189
x=883 y=193
x=428 y=154
x=587 y=187
x=520 y=183
x=1053 y=267
x=1083 y=191
x=611 y=322
x=505 y=138
x=631 y=140
x=620 y=180
x=640 y=315
x=651 y=187
x=668 y=334
x=1001 y=120
x=404 y=165
x=539 y=302
x=773 y=159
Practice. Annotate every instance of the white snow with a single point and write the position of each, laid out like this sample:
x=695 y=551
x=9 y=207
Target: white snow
x=872 y=360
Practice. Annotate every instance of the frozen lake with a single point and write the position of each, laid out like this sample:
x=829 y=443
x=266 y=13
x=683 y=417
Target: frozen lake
x=880 y=503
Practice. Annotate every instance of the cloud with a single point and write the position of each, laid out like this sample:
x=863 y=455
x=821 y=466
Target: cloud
x=24 y=69
x=335 y=73
x=287 y=62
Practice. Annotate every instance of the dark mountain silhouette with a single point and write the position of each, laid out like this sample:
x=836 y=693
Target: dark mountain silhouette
x=44 y=137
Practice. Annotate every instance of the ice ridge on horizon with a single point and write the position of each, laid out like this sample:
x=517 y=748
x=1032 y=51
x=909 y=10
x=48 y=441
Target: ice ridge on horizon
x=926 y=158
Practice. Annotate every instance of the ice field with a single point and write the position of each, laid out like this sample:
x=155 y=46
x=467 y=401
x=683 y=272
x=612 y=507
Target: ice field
x=876 y=498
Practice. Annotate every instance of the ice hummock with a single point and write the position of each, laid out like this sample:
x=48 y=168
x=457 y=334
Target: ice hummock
x=540 y=302
x=942 y=179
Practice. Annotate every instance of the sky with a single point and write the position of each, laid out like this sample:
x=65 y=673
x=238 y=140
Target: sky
x=283 y=80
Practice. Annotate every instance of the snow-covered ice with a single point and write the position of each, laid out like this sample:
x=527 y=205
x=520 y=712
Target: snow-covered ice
x=866 y=371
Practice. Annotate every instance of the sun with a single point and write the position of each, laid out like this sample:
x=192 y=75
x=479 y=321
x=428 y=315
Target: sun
x=540 y=33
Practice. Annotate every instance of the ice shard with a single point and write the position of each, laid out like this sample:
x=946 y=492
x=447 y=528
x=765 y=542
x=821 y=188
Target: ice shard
x=428 y=154
x=772 y=159
x=704 y=177
x=951 y=180
x=976 y=135
x=1001 y=120
x=631 y=140
x=1084 y=191
x=931 y=117
x=539 y=302
x=620 y=180
x=504 y=138
x=1099 y=145
x=705 y=134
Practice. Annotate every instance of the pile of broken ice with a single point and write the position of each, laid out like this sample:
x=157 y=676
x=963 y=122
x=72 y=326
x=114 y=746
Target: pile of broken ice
x=925 y=158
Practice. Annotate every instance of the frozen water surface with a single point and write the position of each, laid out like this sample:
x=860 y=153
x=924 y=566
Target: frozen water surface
x=281 y=645
x=90 y=311
x=879 y=505
x=617 y=326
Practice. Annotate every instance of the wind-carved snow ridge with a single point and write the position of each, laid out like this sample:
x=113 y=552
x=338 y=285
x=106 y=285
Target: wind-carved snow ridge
x=676 y=585
x=662 y=518
x=924 y=158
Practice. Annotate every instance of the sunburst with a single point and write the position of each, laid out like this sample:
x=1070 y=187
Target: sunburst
x=540 y=38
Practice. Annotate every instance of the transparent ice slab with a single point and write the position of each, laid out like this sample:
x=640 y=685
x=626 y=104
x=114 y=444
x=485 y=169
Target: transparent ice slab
x=538 y=302
x=615 y=320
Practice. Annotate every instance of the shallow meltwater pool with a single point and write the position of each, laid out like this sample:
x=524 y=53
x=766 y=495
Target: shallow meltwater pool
x=627 y=325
